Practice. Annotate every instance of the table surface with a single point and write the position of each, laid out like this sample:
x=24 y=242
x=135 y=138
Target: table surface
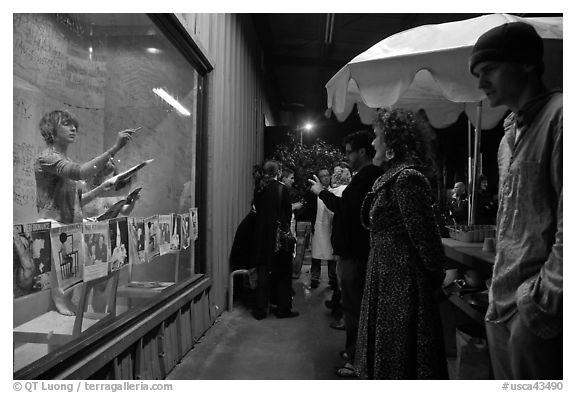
x=467 y=250
x=135 y=290
x=470 y=255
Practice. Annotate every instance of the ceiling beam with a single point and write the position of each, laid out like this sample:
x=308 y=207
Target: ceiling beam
x=306 y=61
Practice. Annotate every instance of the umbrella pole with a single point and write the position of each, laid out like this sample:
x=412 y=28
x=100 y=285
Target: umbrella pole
x=469 y=179
x=476 y=166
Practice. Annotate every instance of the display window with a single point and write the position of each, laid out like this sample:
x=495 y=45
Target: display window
x=104 y=172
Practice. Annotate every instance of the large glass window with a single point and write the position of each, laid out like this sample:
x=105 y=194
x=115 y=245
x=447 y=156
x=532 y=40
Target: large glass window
x=111 y=72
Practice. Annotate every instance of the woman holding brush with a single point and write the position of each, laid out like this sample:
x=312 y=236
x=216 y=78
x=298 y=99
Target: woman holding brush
x=59 y=197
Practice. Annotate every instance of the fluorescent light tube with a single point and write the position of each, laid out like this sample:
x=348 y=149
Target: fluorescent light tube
x=171 y=100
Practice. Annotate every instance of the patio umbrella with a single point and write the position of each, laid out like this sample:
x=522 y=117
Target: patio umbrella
x=423 y=93
x=427 y=68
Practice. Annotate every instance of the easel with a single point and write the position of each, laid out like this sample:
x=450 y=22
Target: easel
x=55 y=329
x=140 y=290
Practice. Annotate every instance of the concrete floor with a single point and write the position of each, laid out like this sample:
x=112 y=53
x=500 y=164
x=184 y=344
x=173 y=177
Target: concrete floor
x=240 y=347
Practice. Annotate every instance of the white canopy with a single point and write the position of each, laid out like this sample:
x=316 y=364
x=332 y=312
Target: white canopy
x=427 y=68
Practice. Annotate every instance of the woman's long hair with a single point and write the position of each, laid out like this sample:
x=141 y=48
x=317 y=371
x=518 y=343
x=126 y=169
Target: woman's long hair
x=264 y=176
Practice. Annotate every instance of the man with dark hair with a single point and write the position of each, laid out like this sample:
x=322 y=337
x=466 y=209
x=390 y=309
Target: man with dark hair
x=287 y=177
x=524 y=318
x=351 y=241
x=487 y=203
x=273 y=210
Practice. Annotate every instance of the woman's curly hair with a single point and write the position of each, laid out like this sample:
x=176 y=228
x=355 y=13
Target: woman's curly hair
x=406 y=134
x=341 y=176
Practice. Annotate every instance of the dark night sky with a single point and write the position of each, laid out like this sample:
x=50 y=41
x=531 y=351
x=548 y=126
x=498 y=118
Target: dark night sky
x=452 y=143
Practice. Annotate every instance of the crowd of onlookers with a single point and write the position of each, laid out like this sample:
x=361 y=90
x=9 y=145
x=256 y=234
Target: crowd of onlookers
x=374 y=223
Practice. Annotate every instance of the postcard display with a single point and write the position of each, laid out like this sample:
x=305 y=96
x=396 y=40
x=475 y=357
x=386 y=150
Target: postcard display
x=32 y=251
x=87 y=251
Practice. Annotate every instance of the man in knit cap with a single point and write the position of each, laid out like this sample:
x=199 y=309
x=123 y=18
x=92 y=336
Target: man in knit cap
x=524 y=318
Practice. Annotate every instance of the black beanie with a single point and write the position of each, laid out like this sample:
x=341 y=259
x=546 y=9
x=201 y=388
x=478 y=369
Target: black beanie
x=516 y=42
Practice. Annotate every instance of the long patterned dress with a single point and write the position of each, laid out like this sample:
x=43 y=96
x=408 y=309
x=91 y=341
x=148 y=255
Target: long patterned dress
x=400 y=333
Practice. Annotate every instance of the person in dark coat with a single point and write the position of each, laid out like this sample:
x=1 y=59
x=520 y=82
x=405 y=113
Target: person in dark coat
x=458 y=204
x=400 y=332
x=487 y=204
x=272 y=205
x=349 y=239
x=240 y=252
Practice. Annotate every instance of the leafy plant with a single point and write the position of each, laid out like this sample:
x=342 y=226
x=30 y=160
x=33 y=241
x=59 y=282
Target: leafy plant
x=306 y=160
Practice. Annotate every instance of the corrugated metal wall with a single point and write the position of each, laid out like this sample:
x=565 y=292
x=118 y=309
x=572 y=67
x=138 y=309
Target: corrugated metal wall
x=236 y=107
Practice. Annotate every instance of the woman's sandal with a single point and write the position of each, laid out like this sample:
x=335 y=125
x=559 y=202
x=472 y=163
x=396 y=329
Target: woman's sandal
x=346 y=371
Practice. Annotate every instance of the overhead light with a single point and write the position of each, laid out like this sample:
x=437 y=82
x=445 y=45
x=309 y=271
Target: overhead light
x=170 y=100
x=308 y=126
x=329 y=29
x=154 y=51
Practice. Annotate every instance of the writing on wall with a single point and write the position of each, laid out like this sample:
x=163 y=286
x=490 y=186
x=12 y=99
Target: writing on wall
x=106 y=81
